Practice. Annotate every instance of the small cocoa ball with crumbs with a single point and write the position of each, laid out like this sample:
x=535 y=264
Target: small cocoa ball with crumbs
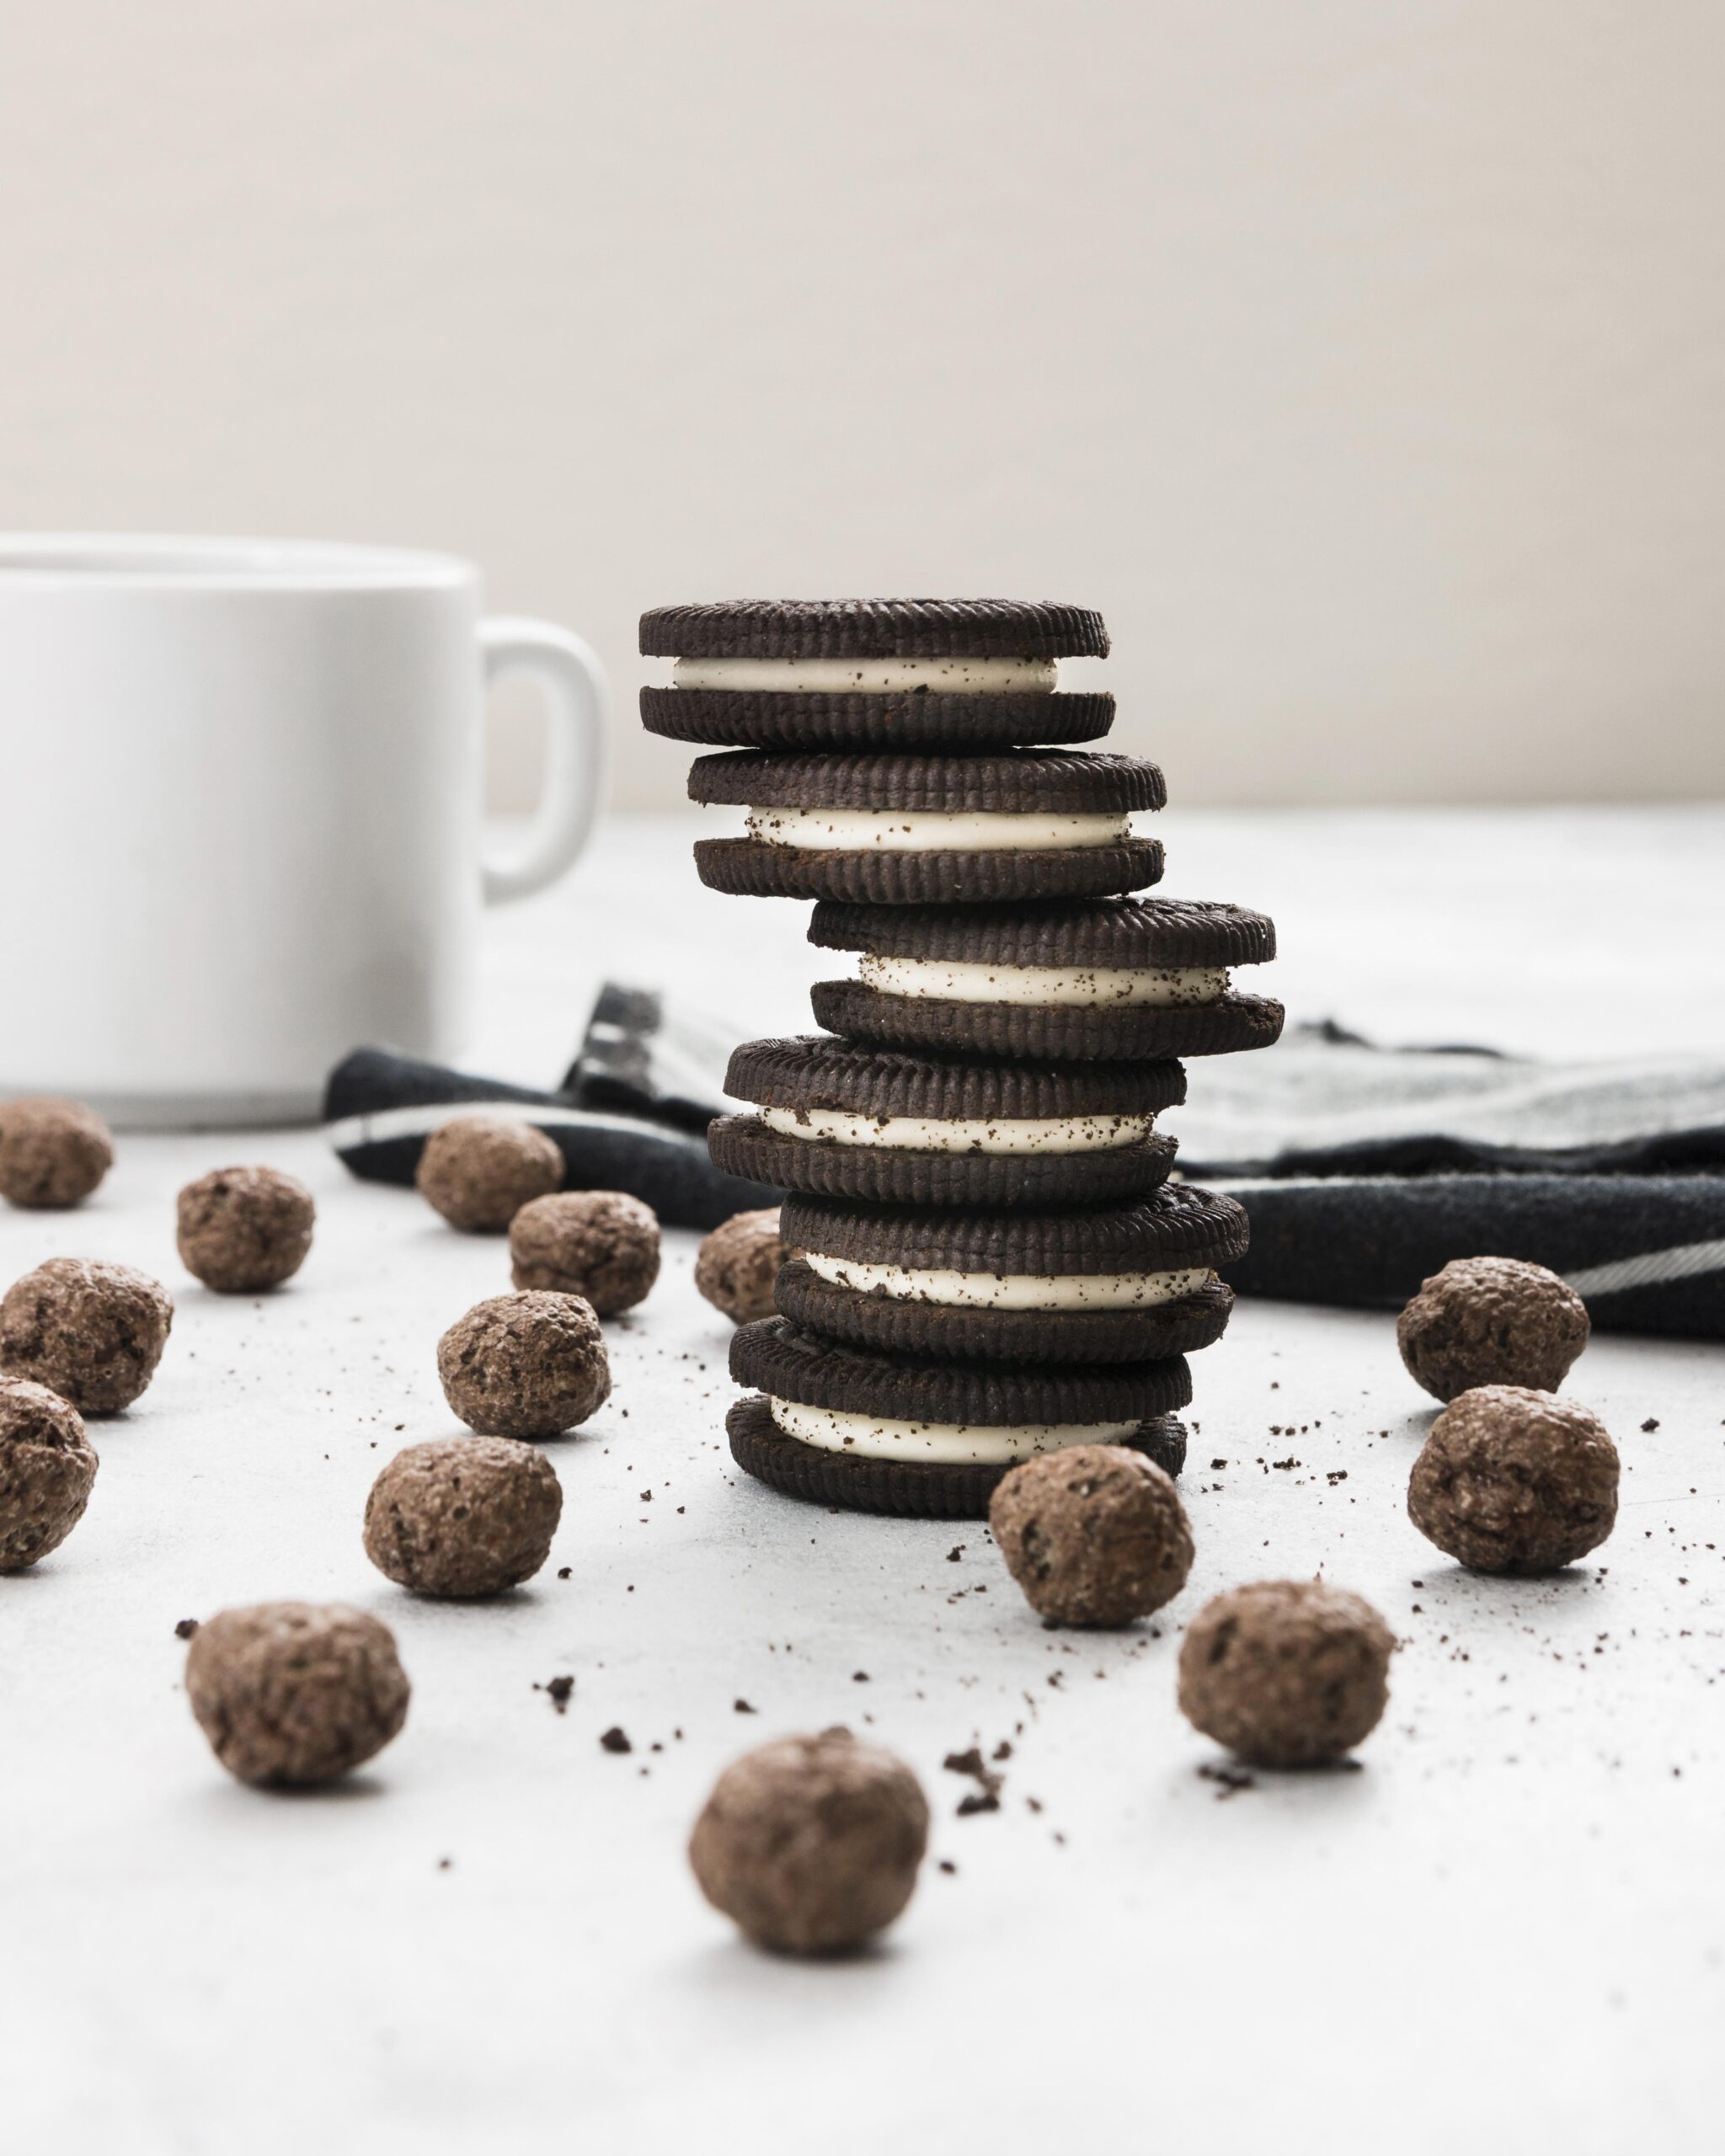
x=529 y=1365
x=1491 y=1321
x=811 y=1844
x=1286 y=1672
x=1515 y=1480
x=1094 y=1534
x=293 y=1694
x=479 y=1171
x=463 y=1516
x=92 y=1332
x=600 y=1244
x=53 y=1153
x=737 y=1264
x=242 y=1230
x=47 y=1470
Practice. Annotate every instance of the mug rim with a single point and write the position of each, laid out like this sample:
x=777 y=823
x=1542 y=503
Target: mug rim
x=87 y=561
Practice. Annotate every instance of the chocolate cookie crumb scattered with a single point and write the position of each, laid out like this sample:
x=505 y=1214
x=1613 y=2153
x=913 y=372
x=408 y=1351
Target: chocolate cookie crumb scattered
x=559 y=1690
x=742 y=1707
x=184 y=1629
x=243 y=1230
x=293 y=1694
x=811 y=1845
x=1094 y=1534
x=1490 y=1321
x=53 y=1153
x=479 y=1171
x=1515 y=1480
x=527 y=1365
x=614 y=1740
x=91 y=1331
x=1286 y=1672
x=462 y=1516
x=600 y=1244
x=1651 y=1424
x=47 y=1470
x=737 y=1264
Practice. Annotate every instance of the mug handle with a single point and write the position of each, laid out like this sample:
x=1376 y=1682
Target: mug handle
x=573 y=681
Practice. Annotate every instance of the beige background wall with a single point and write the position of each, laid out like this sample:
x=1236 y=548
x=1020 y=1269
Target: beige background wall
x=1363 y=361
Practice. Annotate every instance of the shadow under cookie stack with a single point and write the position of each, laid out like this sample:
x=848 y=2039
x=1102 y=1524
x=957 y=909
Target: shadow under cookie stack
x=987 y=1259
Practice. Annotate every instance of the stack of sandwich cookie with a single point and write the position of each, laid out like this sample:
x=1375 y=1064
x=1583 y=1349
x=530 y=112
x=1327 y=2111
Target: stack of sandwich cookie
x=986 y=1260
x=949 y=676
x=839 y=1426
x=841 y=1121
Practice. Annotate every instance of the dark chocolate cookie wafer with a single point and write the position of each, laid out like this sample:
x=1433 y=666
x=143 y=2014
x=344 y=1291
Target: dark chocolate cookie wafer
x=902 y=1487
x=851 y=1122
x=1105 y=1285
x=892 y=830
x=1099 y=978
x=906 y=719
x=874 y=629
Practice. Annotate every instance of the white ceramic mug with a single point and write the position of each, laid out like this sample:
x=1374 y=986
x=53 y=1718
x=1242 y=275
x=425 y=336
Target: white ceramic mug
x=240 y=802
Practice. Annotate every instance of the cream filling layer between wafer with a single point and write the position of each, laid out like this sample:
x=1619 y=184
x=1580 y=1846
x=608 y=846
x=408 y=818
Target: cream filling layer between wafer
x=962 y=980
x=1010 y=1291
x=868 y=677
x=911 y=1134
x=936 y=1444
x=933 y=830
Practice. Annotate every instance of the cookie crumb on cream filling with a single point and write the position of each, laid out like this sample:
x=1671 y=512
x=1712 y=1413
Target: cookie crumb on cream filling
x=850 y=677
x=934 y=831
x=941 y=1444
x=1054 y=1134
x=957 y=980
x=1011 y=1291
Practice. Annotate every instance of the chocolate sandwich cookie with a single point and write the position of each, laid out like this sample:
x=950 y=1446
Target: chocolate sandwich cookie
x=1097 y=977
x=1126 y=1283
x=844 y=1122
x=873 y=674
x=911 y=830
x=842 y=1427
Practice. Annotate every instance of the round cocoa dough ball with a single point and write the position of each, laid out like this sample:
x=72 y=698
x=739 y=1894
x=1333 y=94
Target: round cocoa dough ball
x=1491 y=1321
x=601 y=1244
x=244 y=1229
x=92 y=1332
x=52 y=1153
x=1513 y=1480
x=1095 y=1535
x=811 y=1844
x=464 y=1516
x=1286 y=1672
x=525 y=1365
x=47 y=1470
x=737 y=1264
x=479 y=1171
x=291 y=1693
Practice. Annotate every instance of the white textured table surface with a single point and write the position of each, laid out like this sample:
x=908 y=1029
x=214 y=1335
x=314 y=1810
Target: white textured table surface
x=1507 y=1929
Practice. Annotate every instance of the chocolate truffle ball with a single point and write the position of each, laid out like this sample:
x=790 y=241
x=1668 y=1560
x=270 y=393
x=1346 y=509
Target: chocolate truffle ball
x=737 y=1264
x=47 y=1470
x=244 y=1229
x=465 y=1516
x=811 y=1844
x=601 y=1244
x=90 y=1332
x=52 y=1153
x=1491 y=1321
x=525 y=1366
x=1095 y=1535
x=1513 y=1480
x=479 y=1171
x=1286 y=1672
x=291 y=1693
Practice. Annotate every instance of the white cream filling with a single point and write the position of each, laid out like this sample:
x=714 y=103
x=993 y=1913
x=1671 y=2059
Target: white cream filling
x=869 y=677
x=1010 y=1291
x=956 y=980
x=912 y=1133
x=945 y=1444
x=931 y=830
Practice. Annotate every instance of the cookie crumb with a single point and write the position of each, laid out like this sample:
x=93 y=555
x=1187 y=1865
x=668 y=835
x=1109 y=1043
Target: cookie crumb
x=613 y=1740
